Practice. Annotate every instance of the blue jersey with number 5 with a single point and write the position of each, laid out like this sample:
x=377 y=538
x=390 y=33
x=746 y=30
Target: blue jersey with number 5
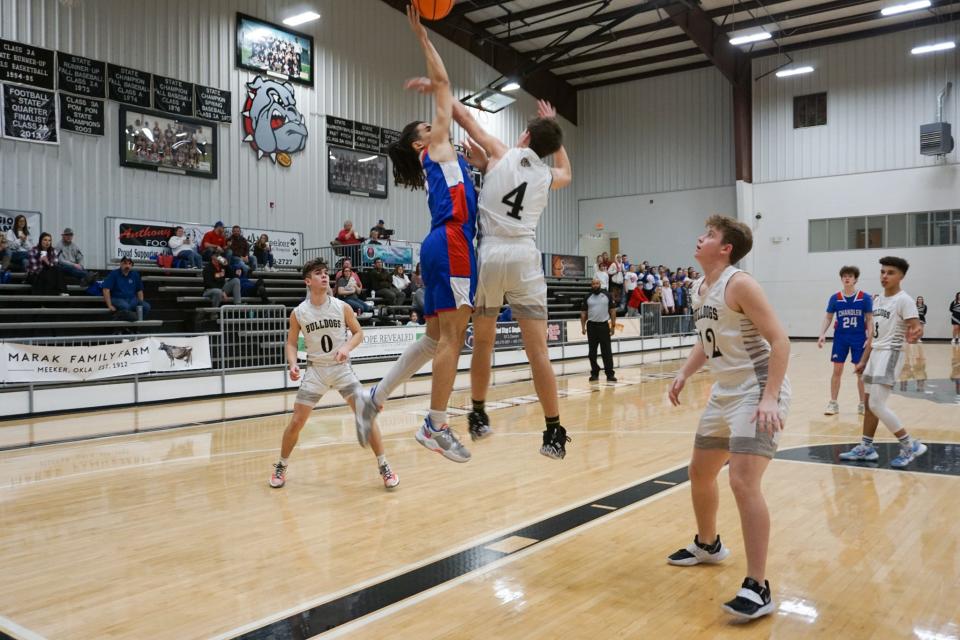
x=850 y=314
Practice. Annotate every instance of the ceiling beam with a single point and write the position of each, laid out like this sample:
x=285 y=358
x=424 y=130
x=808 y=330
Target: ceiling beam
x=539 y=82
x=587 y=21
x=518 y=16
x=466 y=6
x=641 y=76
x=619 y=51
x=711 y=39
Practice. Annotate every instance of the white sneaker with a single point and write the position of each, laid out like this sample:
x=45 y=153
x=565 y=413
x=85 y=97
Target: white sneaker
x=861 y=409
x=832 y=409
x=696 y=554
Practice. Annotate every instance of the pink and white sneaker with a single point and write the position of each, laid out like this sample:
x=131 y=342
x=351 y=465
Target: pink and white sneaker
x=279 y=477
x=390 y=479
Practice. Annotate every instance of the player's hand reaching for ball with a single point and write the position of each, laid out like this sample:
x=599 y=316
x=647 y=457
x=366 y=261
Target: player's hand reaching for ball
x=342 y=355
x=413 y=17
x=294 y=372
x=767 y=416
x=676 y=388
x=545 y=109
x=476 y=155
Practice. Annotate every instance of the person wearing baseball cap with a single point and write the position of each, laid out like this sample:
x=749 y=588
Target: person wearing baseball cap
x=70 y=258
x=214 y=241
x=123 y=289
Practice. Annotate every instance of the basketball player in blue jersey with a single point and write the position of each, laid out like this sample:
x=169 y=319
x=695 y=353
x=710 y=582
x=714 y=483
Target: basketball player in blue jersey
x=424 y=158
x=851 y=332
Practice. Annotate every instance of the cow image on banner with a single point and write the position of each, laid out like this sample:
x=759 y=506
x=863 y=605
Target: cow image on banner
x=272 y=125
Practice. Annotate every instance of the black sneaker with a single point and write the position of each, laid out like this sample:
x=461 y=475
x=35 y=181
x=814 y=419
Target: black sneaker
x=554 y=443
x=479 y=425
x=699 y=553
x=594 y=378
x=611 y=378
x=752 y=601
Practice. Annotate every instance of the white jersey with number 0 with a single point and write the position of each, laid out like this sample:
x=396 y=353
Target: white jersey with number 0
x=889 y=320
x=324 y=329
x=514 y=194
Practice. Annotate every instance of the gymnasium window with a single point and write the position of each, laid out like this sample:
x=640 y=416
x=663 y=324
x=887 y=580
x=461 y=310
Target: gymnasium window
x=809 y=110
x=924 y=229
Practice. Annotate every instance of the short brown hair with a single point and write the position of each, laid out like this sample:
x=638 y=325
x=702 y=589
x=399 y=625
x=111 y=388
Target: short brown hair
x=850 y=270
x=317 y=264
x=733 y=233
x=896 y=263
x=546 y=136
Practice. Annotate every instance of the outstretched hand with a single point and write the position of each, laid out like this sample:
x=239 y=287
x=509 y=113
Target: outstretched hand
x=420 y=85
x=476 y=155
x=545 y=109
x=413 y=17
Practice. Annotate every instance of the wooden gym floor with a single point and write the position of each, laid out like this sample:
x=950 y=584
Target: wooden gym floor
x=176 y=534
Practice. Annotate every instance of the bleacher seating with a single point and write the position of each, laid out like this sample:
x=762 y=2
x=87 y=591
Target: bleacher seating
x=178 y=305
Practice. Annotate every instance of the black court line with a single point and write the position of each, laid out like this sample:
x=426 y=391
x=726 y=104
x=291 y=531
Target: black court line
x=940 y=459
x=335 y=613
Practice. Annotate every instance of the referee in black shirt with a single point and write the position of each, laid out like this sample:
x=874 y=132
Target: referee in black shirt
x=598 y=319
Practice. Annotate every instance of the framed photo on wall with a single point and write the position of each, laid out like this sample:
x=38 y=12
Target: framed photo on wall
x=167 y=144
x=277 y=51
x=357 y=173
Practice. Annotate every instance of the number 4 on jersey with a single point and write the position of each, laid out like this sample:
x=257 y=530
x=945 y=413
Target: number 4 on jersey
x=516 y=205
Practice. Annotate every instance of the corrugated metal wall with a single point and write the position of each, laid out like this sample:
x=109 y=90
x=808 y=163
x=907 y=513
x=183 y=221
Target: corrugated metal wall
x=878 y=95
x=667 y=133
x=364 y=51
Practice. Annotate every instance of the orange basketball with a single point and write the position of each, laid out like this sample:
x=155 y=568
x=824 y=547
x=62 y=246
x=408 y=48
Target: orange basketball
x=433 y=9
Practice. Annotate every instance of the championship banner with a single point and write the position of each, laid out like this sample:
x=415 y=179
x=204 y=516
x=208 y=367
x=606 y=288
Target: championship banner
x=390 y=254
x=563 y=266
x=52 y=363
x=34 y=221
x=29 y=114
x=146 y=239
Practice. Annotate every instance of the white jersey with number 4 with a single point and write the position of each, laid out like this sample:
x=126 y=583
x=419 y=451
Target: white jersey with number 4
x=514 y=194
x=324 y=329
x=889 y=320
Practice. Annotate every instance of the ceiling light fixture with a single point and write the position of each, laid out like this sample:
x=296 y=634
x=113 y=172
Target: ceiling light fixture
x=752 y=37
x=513 y=85
x=306 y=16
x=786 y=73
x=930 y=48
x=903 y=8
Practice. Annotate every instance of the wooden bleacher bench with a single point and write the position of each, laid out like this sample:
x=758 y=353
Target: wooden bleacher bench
x=64 y=299
x=46 y=311
x=81 y=324
x=76 y=288
x=179 y=289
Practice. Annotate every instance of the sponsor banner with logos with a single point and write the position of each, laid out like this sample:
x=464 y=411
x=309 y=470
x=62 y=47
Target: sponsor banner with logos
x=508 y=335
x=563 y=266
x=391 y=254
x=145 y=239
x=378 y=342
x=55 y=363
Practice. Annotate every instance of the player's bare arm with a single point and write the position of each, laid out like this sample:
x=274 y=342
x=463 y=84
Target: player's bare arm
x=290 y=348
x=694 y=363
x=745 y=295
x=356 y=339
x=440 y=148
x=827 y=321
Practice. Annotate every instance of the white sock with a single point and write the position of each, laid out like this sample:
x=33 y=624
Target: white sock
x=382 y=460
x=438 y=418
x=283 y=461
x=410 y=361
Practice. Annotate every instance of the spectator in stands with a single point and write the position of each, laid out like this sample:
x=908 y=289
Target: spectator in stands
x=182 y=249
x=630 y=280
x=238 y=251
x=414 y=320
x=214 y=241
x=679 y=297
x=666 y=297
x=649 y=282
x=348 y=290
x=636 y=299
x=42 y=271
x=218 y=285
x=374 y=237
x=380 y=228
x=348 y=235
x=5 y=256
x=123 y=289
x=627 y=265
x=381 y=282
x=19 y=242
x=416 y=280
x=401 y=282
x=348 y=268
x=263 y=252
x=70 y=258
x=615 y=271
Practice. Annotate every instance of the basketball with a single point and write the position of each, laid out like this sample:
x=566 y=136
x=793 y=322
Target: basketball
x=433 y=9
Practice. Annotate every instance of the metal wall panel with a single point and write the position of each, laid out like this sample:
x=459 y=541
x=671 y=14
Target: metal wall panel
x=364 y=50
x=878 y=95
x=667 y=133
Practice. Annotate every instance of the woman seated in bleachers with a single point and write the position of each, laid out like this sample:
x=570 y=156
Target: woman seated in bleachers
x=401 y=282
x=183 y=249
x=263 y=252
x=42 y=271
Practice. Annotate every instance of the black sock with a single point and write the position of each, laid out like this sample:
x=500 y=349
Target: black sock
x=553 y=423
x=478 y=405
x=711 y=547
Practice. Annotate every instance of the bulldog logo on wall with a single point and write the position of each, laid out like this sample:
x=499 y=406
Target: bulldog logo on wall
x=272 y=124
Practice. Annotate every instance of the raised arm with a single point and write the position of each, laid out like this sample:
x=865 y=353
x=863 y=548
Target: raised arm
x=562 y=170
x=440 y=148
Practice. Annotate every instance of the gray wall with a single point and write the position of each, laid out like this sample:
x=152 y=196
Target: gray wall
x=364 y=51
x=878 y=95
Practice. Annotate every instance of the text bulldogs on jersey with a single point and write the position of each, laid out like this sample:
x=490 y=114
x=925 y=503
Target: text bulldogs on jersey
x=326 y=323
x=705 y=311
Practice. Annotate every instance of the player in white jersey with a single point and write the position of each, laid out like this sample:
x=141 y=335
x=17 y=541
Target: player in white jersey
x=324 y=322
x=748 y=349
x=895 y=322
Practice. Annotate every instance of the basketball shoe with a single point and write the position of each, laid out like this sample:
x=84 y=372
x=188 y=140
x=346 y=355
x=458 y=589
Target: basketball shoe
x=699 y=553
x=555 y=441
x=479 y=423
x=444 y=441
x=909 y=454
x=390 y=479
x=832 y=409
x=279 y=477
x=859 y=453
x=752 y=601
x=367 y=410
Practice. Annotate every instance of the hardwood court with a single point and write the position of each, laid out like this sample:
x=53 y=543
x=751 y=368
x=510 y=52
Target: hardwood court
x=175 y=534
